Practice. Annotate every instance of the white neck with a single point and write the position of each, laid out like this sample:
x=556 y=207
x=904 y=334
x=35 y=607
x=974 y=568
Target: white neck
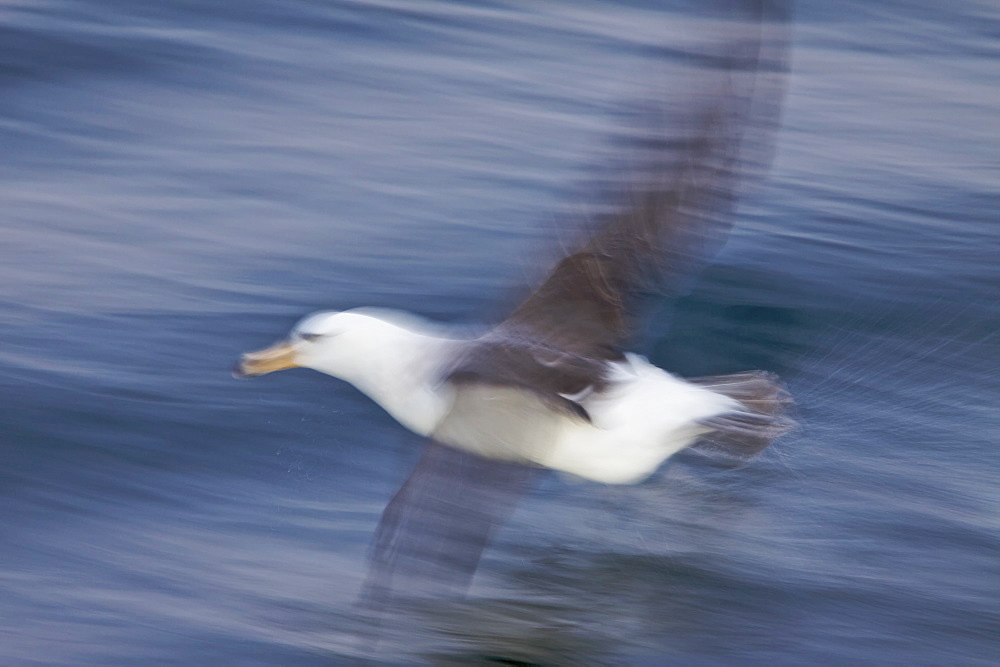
x=397 y=368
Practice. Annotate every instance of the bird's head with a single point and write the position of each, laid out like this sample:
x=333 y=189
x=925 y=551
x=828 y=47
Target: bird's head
x=329 y=341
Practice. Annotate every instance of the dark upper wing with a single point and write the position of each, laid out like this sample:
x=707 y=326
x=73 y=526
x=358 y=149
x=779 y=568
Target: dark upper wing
x=587 y=304
x=674 y=203
x=669 y=213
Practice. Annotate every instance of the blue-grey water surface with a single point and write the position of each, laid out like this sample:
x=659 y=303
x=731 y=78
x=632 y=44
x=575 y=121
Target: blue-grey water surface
x=182 y=180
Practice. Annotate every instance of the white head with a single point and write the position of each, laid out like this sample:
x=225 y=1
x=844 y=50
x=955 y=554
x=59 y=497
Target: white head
x=336 y=343
x=388 y=355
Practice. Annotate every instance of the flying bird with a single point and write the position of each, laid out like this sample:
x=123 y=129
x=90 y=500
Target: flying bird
x=554 y=385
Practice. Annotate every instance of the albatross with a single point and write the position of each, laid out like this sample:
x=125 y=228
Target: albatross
x=553 y=385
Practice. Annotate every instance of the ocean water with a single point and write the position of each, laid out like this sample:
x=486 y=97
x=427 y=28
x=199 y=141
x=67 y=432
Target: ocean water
x=182 y=180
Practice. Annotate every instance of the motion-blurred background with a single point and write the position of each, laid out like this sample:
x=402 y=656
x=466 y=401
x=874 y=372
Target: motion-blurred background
x=182 y=180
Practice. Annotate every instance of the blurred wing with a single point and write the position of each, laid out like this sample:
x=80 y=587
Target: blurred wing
x=674 y=206
x=588 y=303
x=434 y=530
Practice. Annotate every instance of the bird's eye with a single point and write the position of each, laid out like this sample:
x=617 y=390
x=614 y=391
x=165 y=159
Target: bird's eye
x=309 y=337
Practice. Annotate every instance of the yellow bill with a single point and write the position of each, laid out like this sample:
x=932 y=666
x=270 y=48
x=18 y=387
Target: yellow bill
x=278 y=357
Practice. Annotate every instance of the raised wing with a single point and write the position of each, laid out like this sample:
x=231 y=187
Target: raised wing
x=674 y=204
x=587 y=306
